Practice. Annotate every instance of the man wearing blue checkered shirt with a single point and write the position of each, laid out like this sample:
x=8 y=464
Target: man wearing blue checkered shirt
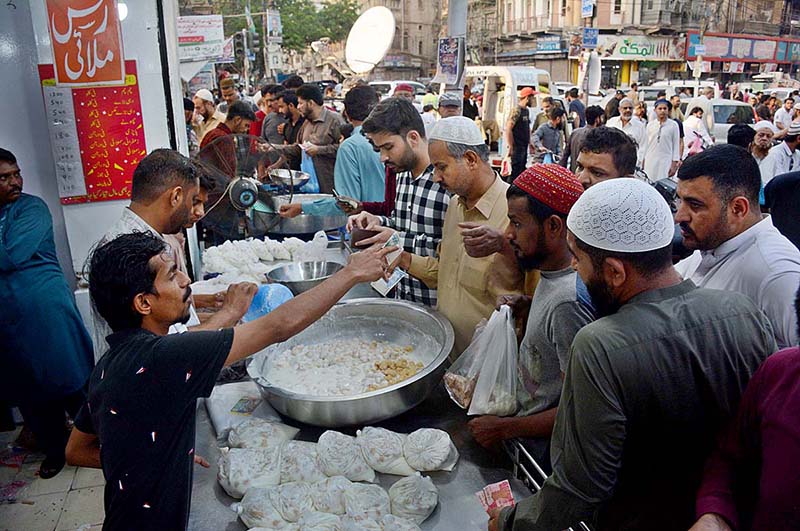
x=395 y=129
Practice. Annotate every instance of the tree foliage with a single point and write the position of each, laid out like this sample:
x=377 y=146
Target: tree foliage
x=302 y=22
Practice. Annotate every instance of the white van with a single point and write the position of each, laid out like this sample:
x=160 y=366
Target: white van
x=500 y=86
x=720 y=114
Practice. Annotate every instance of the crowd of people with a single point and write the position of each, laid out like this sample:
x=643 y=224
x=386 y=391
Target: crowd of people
x=650 y=388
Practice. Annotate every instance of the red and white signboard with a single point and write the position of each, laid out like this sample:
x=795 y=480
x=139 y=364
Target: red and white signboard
x=86 y=38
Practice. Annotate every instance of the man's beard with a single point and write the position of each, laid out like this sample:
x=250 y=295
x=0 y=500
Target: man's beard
x=179 y=220
x=531 y=262
x=406 y=162
x=602 y=299
x=717 y=235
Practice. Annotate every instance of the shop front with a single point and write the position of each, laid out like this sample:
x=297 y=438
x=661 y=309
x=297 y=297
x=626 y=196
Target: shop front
x=739 y=57
x=627 y=59
x=548 y=52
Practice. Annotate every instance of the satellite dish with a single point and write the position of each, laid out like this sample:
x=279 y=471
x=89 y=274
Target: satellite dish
x=370 y=38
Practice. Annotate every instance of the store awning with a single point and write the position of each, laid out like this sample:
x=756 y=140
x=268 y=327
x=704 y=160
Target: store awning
x=191 y=68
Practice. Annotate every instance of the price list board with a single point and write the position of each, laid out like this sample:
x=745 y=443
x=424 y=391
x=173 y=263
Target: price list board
x=97 y=134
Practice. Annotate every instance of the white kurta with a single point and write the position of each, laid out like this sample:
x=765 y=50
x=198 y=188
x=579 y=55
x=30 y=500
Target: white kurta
x=634 y=129
x=692 y=125
x=663 y=147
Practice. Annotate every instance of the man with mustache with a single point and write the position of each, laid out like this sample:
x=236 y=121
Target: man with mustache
x=634 y=128
x=649 y=383
x=538 y=203
x=46 y=351
x=167 y=197
x=143 y=393
x=735 y=247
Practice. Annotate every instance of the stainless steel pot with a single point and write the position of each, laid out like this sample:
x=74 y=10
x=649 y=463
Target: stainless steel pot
x=395 y=321
x=302 y=225
x=302 y=276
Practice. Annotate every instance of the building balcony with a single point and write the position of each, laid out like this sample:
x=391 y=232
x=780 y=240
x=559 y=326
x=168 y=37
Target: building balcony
x=755 y=27
x=526 y=27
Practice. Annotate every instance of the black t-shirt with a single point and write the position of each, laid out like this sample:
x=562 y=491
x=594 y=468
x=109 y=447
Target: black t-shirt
x=521 y=131
x=578 y=107
x=141 y=405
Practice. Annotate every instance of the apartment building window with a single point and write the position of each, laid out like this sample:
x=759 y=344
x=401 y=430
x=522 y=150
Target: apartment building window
x=649 y=4
x=405 y=40
x=563 y=8
x=419 y=48
x=617 y=7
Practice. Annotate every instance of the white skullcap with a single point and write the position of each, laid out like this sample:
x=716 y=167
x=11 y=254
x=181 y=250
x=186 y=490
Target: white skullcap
x=765 y=124
x=205 y=94
x=457 y=130
x=622 y=215
x=257 y=97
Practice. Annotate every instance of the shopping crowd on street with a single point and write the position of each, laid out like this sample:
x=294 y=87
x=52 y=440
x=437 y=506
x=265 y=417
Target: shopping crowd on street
x=658 y=389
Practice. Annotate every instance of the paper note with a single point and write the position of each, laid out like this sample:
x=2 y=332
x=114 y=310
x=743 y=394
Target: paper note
x=495 y=496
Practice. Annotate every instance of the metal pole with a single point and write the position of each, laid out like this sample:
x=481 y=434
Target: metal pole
x=457 y=27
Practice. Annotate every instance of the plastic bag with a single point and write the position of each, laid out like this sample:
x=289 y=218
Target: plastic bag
x=461 y=377
x=256 y=510
x=340 y=455
x=267 y=298
x=429 y=449
x=328 y=495
x=414 y=497
x=260 y=433
x=364 y=501
x=300 y=462
x=360 y=524
x=232 y=403
x=496 y=387
x=318 y=521
x=240 y=469
x=391 y=522
x=292 y=500
x=383 y=450
x=307 y=166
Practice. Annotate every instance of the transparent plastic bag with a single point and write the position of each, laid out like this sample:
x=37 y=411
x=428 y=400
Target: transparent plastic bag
x=495 y=391
x=461 y=377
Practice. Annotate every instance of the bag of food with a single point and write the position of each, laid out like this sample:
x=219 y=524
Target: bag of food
x=414 y=498
x=260 y=433
x=461 y=377
x=429 y=449
x=391 y=522
x=328 y=495
x=256 y=510
x=362 y=524
x=383 y=450
x=365 y=501
x=240 y=469
x=317 y=521
x=291 y=500
x=340 y=455
x=300 y=462
x=496 y=387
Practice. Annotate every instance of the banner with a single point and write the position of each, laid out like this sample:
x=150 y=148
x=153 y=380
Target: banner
x=274 y=27
x=86 y=39
x=200 y=37
x=97 y=137
x=637 y=48
x=722 y=47
x=450 y=61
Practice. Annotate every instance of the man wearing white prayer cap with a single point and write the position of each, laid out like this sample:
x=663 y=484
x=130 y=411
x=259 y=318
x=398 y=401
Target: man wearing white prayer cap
x=784 y=157
x=204 y=108
x=647 y=385
x=468 y=286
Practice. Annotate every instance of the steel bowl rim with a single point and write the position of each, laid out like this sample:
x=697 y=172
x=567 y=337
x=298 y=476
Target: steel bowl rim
x=318 y=279
x=431 y=367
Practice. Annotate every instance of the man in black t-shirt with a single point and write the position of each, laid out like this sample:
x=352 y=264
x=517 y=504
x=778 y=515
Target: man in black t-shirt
x=138 y=422
x=518 y=132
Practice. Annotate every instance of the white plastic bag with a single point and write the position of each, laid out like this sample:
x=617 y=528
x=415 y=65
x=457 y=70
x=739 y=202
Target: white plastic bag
x=429 y=449
x=414 y=497
x=328 y=495
x=240 y=469
x=496 y=387
x=317 y=521
x=383 y=450
x=365 y=501
x=461 y=377
x=340 y=455
x=300 y=462
x=361 y=524
x=260 y=433
x=256 y=510
x=292 y=500
x=391 y=522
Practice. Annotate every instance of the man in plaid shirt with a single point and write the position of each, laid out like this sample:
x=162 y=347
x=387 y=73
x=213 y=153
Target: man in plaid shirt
x=396 y=130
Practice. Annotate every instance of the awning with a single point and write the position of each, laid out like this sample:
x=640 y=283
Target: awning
x=191 y=68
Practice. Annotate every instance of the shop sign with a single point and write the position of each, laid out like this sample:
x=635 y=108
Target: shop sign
x=86 y=38
x=590 y=38
x=788 y=52
x=548 y=45
x=200 y=37
x=722 y=47
x=587 y=8
x=639 y=48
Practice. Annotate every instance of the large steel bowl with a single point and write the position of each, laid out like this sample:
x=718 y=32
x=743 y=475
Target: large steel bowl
x=301 y=226
x=302 y=276
x=395 y=321
x=286 y=177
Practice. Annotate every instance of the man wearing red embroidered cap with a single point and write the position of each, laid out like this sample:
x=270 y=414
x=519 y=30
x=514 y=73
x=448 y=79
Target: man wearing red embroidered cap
x=538 y=203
